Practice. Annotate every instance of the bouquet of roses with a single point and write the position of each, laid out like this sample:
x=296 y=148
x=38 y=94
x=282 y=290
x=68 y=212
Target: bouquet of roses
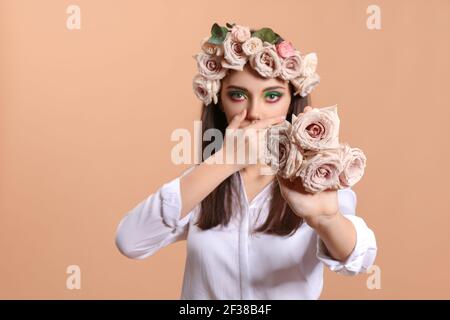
x=309 y=149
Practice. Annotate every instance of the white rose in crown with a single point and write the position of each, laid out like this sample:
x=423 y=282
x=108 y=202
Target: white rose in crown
x=252 y=46
x=309 y=64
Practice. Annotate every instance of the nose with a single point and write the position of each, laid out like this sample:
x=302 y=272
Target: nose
x=253 y=111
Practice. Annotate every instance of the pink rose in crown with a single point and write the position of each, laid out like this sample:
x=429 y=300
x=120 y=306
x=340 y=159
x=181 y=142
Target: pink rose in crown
x=285 y=49
x=234 y=56
x=291 y=67
x=210 y=66
x=206 y=90
x=266 y=61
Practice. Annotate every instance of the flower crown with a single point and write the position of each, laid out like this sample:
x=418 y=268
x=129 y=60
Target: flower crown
x=231 y=47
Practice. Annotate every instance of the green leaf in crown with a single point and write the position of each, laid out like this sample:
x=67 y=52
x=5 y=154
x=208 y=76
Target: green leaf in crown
x=266 y=34
x=218 y=34
x=230 y=25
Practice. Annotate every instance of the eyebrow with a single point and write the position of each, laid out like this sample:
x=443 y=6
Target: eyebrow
x=244 y=89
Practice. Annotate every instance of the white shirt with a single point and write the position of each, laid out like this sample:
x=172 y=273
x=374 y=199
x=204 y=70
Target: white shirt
x=231 y=263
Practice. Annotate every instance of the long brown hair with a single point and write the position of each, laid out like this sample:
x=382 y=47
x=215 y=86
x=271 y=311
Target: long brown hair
x=216 y=208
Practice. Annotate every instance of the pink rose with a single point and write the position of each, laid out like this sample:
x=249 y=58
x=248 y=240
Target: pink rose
x=293 y=163
x=353 y=161
x=317 y=129
x=266 y=61
x=234 y=57
x=308 y=79
x=210 y=66
x=321 y=171
x=309 y=64
x=285 y=49
x=210 y=48
x=309 y=84
x=291 y=67
x=206 y=90
x=252 y=46
x=298 y=84
x=281 y=153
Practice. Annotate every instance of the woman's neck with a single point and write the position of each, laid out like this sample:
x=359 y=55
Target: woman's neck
x=255 y=178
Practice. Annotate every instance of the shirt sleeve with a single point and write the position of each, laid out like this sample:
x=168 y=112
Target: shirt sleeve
x=154 y=223
x=364 y=253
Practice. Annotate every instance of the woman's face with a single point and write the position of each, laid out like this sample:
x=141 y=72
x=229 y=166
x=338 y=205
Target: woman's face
x=262 y=97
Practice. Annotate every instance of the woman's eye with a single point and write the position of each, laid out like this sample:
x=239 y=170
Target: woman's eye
x=237 y=96
x=273 y=96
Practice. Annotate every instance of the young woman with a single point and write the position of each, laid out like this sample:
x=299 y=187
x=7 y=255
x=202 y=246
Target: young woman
x=250 y=235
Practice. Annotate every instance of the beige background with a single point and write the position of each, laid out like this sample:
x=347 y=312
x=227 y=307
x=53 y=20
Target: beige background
x=86 y=117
